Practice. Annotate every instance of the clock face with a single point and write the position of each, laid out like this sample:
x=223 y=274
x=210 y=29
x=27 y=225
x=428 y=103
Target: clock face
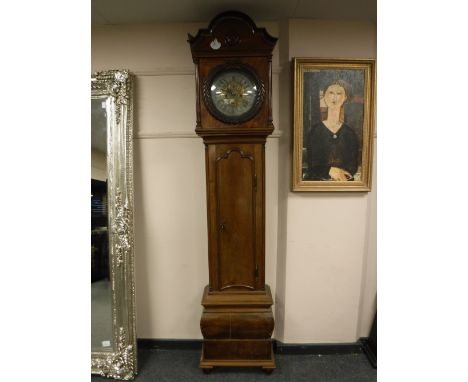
x=234 y=94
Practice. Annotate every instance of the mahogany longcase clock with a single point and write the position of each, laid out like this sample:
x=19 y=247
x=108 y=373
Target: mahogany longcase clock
x=233 y=85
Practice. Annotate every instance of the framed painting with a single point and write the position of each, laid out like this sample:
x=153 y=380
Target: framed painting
x=333 y=124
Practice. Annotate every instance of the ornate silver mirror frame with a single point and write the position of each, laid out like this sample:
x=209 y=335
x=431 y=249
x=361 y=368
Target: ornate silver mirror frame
x=117 y=87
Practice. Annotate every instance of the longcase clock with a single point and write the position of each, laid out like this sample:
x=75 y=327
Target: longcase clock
x=233 y=85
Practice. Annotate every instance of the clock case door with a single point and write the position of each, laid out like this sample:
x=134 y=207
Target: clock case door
x=237 y=320
x=236 y=216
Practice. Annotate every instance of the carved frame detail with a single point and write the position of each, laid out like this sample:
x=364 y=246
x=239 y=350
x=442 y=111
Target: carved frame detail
x=121 y=363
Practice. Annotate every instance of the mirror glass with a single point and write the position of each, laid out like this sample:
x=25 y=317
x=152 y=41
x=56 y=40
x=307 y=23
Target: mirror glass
x=113 y=326
x=101 y=288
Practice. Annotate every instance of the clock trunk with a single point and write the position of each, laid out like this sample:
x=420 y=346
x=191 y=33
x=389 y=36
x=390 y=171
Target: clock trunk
x=236 y=217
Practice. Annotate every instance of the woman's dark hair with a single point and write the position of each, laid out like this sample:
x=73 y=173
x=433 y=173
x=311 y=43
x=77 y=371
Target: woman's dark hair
x=346 y=86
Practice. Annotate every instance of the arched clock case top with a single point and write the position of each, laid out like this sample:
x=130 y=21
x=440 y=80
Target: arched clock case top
x=243 y=70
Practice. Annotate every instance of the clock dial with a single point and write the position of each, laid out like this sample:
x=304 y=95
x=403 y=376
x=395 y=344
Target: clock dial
x=233 y=94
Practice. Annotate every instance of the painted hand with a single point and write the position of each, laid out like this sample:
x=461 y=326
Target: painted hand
x=339 y=174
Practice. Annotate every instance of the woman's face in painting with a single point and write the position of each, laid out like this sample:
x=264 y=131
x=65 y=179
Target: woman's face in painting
x=334 y=96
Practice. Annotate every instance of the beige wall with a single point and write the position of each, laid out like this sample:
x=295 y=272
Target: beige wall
x=324 y=287
x=330 y=251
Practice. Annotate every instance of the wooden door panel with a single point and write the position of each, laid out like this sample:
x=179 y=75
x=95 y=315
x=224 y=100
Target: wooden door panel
x=236 y=205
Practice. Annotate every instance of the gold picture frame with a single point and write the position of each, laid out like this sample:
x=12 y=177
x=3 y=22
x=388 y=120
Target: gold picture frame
x=333 y=124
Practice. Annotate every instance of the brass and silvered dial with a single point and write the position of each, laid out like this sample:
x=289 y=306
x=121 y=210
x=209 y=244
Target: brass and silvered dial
x=233 y=94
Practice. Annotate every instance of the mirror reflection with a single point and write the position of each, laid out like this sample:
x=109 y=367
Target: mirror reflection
x=101 y=288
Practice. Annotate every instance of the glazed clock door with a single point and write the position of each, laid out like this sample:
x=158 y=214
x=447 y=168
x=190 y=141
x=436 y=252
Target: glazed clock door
x=233 y=93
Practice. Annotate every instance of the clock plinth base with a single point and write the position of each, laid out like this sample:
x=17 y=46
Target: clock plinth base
x=237 y=328
x=207 y=364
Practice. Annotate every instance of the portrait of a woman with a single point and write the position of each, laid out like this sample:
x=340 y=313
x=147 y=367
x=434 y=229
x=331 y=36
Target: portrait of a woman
x=332 y=145
x=333 y=124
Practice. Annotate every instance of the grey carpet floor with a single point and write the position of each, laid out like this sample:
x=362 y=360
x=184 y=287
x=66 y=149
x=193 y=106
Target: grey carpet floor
x=182 y=366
